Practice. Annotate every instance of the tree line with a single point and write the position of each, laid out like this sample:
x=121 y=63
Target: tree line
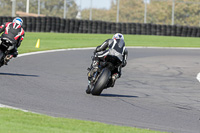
x=47 y=7
x=186 y=12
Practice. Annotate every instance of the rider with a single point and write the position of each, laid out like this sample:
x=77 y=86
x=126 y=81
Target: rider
x=111 y=47
x=15 y=33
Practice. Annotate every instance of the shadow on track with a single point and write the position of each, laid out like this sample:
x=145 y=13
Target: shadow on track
x=116 y=95
x=15 y=74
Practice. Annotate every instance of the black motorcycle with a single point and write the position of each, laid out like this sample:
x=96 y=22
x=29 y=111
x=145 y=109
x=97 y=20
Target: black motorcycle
x=5 y=46
x=102 y=78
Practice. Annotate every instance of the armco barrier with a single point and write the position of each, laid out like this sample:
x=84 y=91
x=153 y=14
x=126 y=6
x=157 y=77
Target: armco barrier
x=56 y=24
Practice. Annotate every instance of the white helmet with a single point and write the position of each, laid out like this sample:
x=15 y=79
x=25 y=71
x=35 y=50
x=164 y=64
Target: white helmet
x=18 y=21
x=118 y=36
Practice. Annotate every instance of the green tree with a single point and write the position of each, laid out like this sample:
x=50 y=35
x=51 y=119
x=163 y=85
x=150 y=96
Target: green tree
x=187 y=12
x=6 y=8
x=56 y=8
x=48 y=7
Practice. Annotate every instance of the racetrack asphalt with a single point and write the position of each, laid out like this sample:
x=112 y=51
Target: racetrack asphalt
x=158 y=88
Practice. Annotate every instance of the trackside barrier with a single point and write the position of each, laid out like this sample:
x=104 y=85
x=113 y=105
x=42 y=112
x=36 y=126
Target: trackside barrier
x=56 y=24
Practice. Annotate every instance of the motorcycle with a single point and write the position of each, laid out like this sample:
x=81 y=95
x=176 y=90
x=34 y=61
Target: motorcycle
x=102 y=78
x=5 y=46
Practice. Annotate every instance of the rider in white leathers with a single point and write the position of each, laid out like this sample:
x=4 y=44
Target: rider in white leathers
x=114 y=47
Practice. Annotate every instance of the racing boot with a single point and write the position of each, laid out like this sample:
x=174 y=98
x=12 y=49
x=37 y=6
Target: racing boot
x=7 y=59
x=114 y=77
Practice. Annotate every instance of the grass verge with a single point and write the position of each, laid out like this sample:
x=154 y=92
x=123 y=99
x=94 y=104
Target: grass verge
x=49 y=41
x=16 y=121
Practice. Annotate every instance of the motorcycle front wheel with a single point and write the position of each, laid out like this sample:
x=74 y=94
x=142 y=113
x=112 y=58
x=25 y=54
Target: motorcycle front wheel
x=101 y=82
x=1 y=58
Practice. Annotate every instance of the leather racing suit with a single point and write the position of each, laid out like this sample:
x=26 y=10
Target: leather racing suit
x=15 y=33
x=114 y=47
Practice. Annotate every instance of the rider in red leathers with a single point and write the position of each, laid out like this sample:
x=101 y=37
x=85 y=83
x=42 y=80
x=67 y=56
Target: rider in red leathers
x=14 y=32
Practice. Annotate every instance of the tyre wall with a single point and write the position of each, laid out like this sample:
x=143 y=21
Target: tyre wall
x=56 y=24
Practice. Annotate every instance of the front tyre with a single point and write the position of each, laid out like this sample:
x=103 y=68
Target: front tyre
x=1 y=58
x=101 y=82
x=88 y=90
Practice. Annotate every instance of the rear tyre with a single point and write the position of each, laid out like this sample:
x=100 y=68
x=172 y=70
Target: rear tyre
x=101 y=82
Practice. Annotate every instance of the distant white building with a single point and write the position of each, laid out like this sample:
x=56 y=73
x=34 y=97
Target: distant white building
x=147 y=1
x=78 y=16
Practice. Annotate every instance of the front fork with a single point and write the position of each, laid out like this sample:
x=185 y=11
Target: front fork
x=92 y=80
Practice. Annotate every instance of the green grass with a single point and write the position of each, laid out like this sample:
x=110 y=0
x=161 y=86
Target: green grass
x=16 y=121
x=49 y=41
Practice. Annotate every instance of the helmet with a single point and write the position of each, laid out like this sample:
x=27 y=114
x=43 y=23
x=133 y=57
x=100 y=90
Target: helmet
x=118 y=36
x=18 y=21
